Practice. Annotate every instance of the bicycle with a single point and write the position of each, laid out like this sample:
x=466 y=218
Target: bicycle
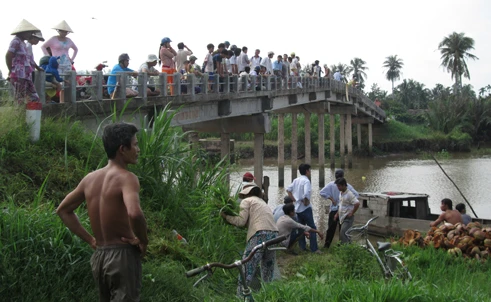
x=391 y=264
x=246 y=291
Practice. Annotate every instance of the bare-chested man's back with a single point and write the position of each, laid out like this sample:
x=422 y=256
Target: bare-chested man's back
x=116 y=218
x=449 y=215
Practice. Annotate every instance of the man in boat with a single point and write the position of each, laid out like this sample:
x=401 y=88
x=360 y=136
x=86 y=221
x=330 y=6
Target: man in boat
x=465 y=217
x=448 y=215
x=331 y=192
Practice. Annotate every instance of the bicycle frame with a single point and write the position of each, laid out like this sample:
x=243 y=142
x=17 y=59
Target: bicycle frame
x=239 y=264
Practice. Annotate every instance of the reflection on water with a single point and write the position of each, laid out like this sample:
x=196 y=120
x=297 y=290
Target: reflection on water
x=396 y=173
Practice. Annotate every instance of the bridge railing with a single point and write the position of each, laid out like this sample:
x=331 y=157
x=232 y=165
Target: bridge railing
x=95 y=87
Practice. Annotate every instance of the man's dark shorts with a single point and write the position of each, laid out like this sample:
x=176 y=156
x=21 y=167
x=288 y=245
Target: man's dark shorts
x=117 y=272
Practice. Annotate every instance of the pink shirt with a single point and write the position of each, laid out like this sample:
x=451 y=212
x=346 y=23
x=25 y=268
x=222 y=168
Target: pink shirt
x=166 y=56
x=60 y=48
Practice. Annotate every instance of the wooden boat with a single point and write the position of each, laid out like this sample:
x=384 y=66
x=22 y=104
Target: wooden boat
x=398 y=212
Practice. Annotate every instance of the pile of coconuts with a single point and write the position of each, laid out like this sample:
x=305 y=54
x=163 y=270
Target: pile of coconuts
x=471 y=241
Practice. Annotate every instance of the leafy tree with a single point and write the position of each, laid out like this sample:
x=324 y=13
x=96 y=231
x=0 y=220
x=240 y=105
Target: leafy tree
x=412 y=94
x=455 y=51
x=377 y=93
x=394 y=66
x=357 y=67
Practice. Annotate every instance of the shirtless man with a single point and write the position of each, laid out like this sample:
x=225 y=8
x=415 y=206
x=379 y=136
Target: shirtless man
x=448 y=215
x=116 y=219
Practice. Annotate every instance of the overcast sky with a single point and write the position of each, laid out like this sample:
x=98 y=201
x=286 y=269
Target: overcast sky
x=328 y=31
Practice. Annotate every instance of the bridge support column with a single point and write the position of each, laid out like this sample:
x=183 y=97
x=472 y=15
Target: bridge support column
x=332 y=140
x=320 y=119
x=258 y=157
x=342 y=144
x=358 y=135
x=370 y=139
x=225 y=150
x=281 y=150
x=308 y=147
x=294 y=146
x=349 y=140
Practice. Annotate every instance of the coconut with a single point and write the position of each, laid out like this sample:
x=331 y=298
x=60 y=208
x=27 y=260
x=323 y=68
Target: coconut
x=484 y=254
x=451 y=252
x=471 y=225
x=473 y=230
x=447 y=244
x=458 y=252
x=479 y=235
x=487 y=242
x=451 y=234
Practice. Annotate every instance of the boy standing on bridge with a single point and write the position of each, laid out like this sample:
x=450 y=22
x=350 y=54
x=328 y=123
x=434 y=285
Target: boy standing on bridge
x=117 y=221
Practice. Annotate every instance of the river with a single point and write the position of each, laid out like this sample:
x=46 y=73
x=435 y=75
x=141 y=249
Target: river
x=400 y=172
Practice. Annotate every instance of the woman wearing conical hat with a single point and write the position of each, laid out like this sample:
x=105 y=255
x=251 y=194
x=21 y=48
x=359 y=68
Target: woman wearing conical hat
x=60 y=46
x=19 y=64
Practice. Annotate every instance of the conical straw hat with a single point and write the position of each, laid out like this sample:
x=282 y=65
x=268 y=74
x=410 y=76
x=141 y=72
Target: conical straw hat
x=63 y=26
x=24 y=26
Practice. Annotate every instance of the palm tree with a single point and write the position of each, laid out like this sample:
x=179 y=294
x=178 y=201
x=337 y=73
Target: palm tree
x=454 y=49
x=394 y=66
x=358 y=68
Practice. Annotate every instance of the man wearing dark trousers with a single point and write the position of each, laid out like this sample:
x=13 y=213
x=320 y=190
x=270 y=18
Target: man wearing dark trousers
x=331 y=192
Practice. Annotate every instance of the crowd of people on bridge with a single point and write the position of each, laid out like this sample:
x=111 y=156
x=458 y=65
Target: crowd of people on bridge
x=222 y=60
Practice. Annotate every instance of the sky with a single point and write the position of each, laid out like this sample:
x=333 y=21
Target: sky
x=329 y=31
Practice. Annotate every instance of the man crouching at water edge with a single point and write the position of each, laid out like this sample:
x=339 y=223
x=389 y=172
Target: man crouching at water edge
x=116 y=219
x=448 y=215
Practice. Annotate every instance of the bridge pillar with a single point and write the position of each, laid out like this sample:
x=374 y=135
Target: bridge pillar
x=225 y=150
x=294 y=146
x=358 y=135
x=349 y=140
x=258 y=157
x=281 y=150
x=332 y=140
x=308 y=147
x=342 y=144
x=320 y=119
x=370 y=139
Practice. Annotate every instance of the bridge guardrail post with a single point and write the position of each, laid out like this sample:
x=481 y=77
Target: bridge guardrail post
x=253 y=82
x=268 y=79
x=216 y=83
x=70 y=90
x=192 y=83
x=177 y=83
x=40 y=84
x=142 y=86
x=227 y=84
x=163 y=84
x=204 y=83
x=123 y=83
x=97 y=80
x=235 y=85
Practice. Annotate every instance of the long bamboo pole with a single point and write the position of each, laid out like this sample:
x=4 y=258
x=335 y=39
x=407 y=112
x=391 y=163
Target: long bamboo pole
x=455 y=186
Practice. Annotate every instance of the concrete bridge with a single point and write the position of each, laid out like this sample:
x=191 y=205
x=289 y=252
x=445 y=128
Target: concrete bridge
x=227 y=106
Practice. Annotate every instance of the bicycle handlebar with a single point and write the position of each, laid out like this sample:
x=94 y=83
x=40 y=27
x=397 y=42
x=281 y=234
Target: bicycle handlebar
x=209 y=266
x=352 y=229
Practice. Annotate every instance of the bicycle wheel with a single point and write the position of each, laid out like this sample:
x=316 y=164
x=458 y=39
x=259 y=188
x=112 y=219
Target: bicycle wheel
x=398 y=269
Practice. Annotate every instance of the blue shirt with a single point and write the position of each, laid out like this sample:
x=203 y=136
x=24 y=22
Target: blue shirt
x=300 y=189
x=331 y=190
x=337 y=76
x=111 y=80
x=277 y=65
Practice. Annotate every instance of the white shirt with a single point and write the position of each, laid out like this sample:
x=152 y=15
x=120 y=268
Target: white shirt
x=209 y=63
x=266 y=62
x=348 y=201
x=300 y=189
x=255 y=61
x=182 y=55
x=232 y=61
x=242 y=61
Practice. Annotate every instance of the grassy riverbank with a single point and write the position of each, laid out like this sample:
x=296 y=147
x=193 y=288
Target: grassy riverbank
x=40 y=260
